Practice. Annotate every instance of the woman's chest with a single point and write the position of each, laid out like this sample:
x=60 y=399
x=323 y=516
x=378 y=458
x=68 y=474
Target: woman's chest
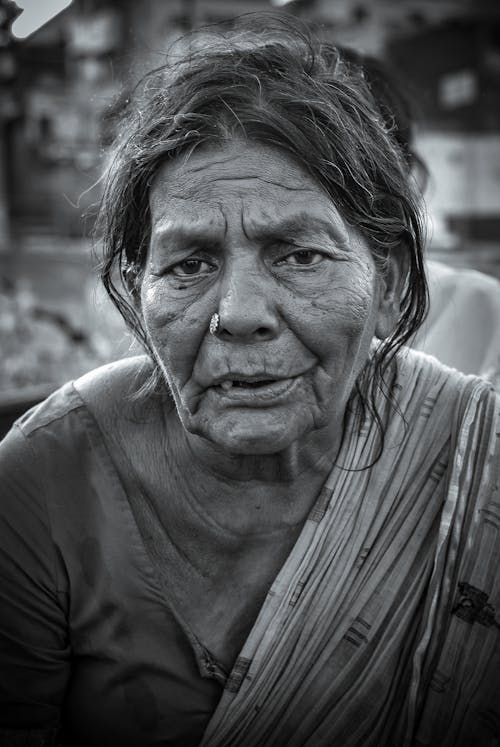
x=216 y=589
x=214 y=568
x=135 y=680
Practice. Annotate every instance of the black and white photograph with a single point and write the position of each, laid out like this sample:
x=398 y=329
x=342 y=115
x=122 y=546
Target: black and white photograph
x=249 y=373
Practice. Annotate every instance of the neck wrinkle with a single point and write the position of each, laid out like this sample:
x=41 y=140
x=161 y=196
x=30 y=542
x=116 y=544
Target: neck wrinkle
x=241 y=499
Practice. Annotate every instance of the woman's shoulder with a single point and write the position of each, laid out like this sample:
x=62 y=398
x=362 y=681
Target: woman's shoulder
x=124 y=401
x=108 y=387
x=423 y=381
x=78 y=419
x=115 y=386
x=62 y=449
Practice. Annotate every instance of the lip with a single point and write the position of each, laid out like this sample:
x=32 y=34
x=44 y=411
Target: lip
x=262 y=396
x=250 y=378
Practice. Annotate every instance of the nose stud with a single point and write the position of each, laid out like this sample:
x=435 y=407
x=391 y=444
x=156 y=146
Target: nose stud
x=214 y=324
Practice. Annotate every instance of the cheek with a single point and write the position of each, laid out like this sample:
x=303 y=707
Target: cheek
x=356 y=309
x=157 y=310
x=175 y=328
x=175 y=311
x=340 y=316
x=358 y=315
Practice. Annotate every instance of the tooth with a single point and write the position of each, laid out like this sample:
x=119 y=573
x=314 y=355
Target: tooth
x=226 y=385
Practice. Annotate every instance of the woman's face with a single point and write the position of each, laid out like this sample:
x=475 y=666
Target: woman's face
x=246 y=232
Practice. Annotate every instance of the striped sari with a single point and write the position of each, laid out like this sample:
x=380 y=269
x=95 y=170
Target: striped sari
x=380 y=628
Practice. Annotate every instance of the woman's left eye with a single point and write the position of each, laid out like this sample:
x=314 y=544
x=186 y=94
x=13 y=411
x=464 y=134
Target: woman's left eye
x=303 y=258
x=192 y=267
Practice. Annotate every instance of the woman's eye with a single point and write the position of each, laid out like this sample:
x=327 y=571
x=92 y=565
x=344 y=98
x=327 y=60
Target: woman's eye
x=192 y=267
x=303 y=257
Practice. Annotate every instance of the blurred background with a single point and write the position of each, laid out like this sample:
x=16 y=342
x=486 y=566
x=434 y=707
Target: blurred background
x=63 y=68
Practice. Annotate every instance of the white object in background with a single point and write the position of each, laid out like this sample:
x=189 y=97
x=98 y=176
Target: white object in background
x=35 y=15
x=463 y=325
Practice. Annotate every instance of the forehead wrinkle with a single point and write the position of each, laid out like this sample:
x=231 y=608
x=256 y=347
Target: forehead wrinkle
x=288 y=187
x=190 y=177
x=297 y=224
x=189 y=167
x=205 y=187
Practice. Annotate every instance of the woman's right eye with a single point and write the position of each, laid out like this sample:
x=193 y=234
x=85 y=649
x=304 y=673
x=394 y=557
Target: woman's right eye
x=192 y=267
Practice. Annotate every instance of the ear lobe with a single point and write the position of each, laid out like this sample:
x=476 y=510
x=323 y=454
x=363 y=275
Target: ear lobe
x=391 y=284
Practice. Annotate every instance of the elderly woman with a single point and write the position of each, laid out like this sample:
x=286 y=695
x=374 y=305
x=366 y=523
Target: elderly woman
x=279 y=526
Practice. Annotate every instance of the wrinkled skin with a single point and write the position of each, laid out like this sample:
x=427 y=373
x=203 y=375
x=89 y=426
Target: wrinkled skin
x=244 y=230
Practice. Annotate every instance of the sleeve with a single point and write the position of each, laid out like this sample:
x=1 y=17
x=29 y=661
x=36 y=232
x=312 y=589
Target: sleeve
x=34 y=649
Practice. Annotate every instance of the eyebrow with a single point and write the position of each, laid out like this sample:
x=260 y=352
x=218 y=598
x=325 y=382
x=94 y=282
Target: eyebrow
x=296 y=225
x=300 y=224
x=188 y=232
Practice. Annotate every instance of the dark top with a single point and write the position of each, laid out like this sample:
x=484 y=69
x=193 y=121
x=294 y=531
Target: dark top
x=87 y=635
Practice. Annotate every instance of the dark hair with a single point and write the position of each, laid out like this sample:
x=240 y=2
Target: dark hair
x=270 y=80
x=397 y=110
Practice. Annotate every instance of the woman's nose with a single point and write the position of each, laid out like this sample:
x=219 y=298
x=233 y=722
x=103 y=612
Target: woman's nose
x=247 y=306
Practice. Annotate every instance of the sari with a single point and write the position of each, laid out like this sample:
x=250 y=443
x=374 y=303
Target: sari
x=380 y=628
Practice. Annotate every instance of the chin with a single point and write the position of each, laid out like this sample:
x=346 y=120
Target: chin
x=245 y=436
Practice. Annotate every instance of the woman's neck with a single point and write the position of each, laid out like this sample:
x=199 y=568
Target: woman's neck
x=252 y=493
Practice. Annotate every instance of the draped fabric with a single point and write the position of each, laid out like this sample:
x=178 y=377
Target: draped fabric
x=380 y=628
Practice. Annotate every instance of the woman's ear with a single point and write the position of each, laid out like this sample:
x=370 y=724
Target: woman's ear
x=392 y=281
x=133 y=277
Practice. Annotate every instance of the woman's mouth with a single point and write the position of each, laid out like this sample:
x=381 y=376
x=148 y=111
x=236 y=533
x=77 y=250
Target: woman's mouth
x=256 y=391
x=229 y=384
